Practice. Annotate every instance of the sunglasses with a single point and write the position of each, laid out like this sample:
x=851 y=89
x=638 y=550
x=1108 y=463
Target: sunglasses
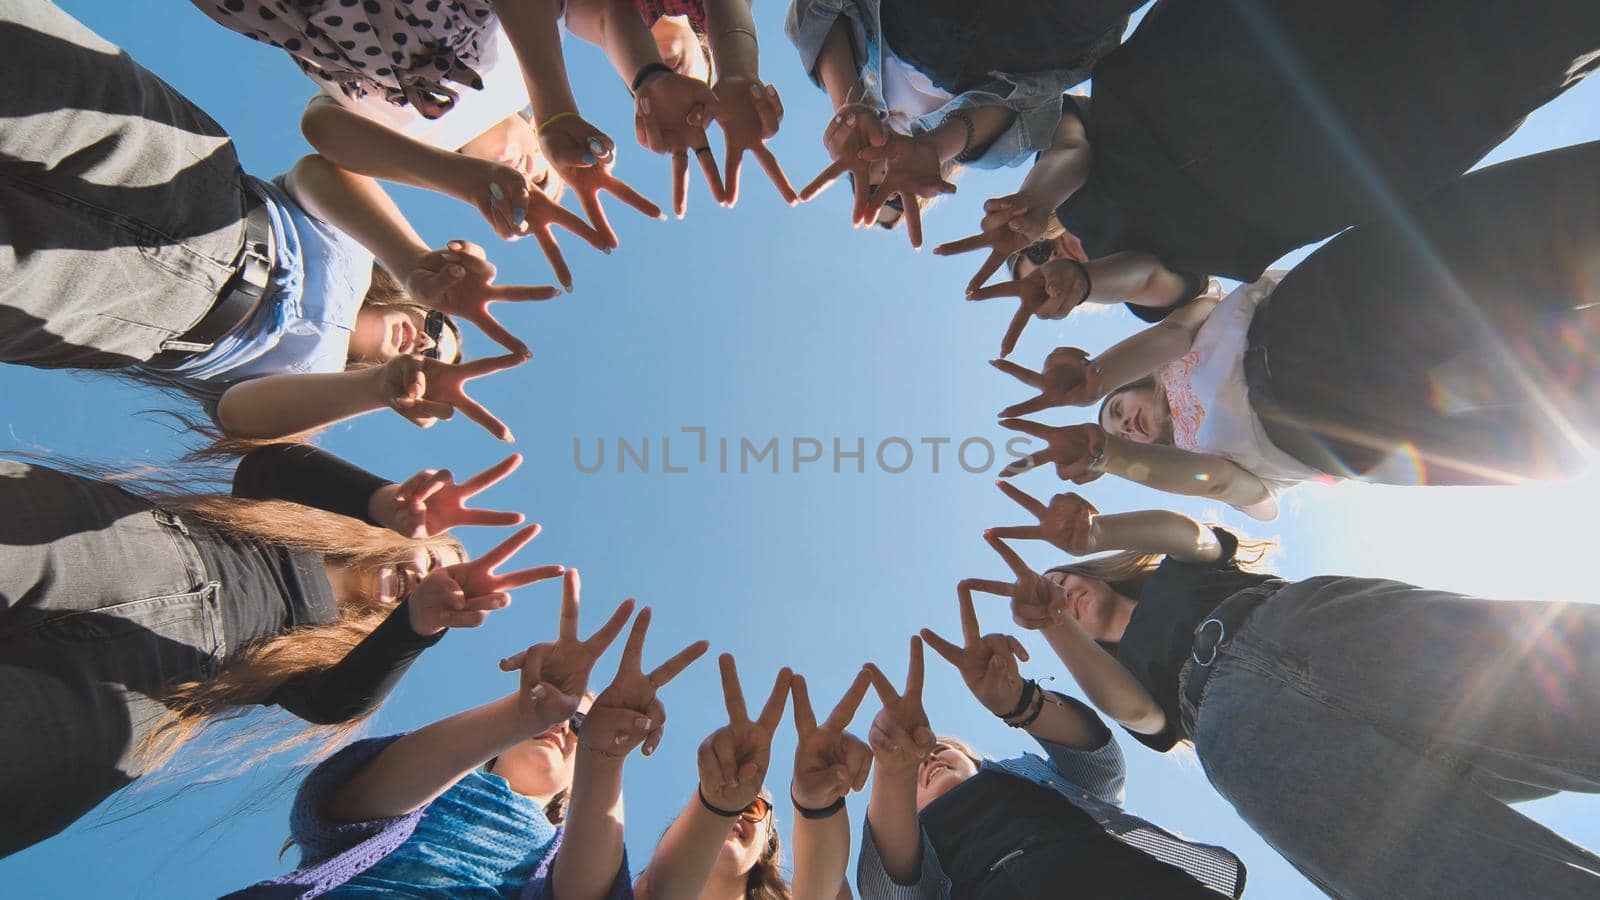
x=758 y=809
x=575 y=724
x=1039 y=253
x=433 y=327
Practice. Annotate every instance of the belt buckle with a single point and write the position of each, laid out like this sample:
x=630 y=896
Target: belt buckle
x=1222 y=633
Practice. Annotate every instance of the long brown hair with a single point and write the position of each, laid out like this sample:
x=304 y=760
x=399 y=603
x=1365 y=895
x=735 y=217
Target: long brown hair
x=765 y=879
x=1150 y=382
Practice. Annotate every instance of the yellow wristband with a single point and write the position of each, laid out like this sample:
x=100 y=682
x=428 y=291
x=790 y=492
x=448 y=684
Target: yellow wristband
x=555 y=118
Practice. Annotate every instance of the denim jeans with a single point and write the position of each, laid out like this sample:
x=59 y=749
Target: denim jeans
x=121 y=203
x=1372 y=732
x=104 y=602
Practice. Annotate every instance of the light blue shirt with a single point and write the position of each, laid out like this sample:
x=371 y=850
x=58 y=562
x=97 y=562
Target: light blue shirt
x=1035 y=96
x=319 y=279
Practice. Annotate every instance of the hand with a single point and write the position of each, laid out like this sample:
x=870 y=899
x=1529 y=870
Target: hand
x=988 y=664
x=1073 y=448
x=1070 y=378
x=1049 y=292
x=430 y=502
x=671 y=112
x=733 y=759
x=853 y=128
x=460 y=281
x=570 y=142
x=1037 y=602
x=627 y=712
x=829 y=762
x=1068 y=522
x=914 y=172
x=751 y=113
x=588 y=182
x=462 y=595
x=424 y=390
x=555 y=675
x=1010 y=224
x=900 y=736
x=516 y=209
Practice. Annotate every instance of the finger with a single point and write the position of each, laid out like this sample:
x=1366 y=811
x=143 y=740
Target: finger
x=680 y=661
x=468 y=618
x=494 y=331
x=566 y=218
x=914 y=671
x=487 y=602
x=951 y=653
x=805 y=721
x=964 y=245
x=828 y=176
x=633 y=651
x=769 y=109
x=1018 y=567
x=1028 y=407
x=416 y=483
x=1031 y=461
x=479 y=413
x=680 y=183
x=860 y=765
x=489 y=365
x=571 y=587
x=552 y=252
x=913 y=213
x=1019 y=321
x=991 y=265
x=426 y=409
x=601 y=640
x=1017 y=650
x=1022 y=498
x=999 y=289
x=625 y=192
x=988 y=586
x=1020 y=532
x=732 y=693
x=769 y=164
x=969 y=616
x=881 y=684
x=1029 y=427
x=845 y=711
x=490 y=476
x=772 y=711
x=734 y=158
x=726 y=756
x=514 y=661
x=708 y=166
x=590 y=201
x=1021 y=373
x=525 y=577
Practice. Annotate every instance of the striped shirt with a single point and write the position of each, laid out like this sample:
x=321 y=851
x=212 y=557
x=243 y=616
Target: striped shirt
x=1091 y=780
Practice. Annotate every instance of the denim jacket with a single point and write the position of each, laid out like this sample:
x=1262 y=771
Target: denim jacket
x=1091 y=780
x=1036 y=97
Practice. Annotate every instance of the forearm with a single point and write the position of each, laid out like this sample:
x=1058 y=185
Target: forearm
x=361 y=208
x=821 y=855
x=310 y=476
x=950 y=137
x=1155 y=531
x=591 y=850
x=1061 y=170
x=1132 y=358
x=1135 y=277
x=615 y=27
x=277 y=406
x=1106 y=682
x=1185 y=472
x=357 y=683
x=417 y=768
x=896 y=831
x=836 y=65
x=731 y=29
x=532 y=27
x=685 y=855
x=1068 y=726
x=356 y=143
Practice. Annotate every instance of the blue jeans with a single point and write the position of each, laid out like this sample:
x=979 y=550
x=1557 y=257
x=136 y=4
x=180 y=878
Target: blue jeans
x=1372 y=732
x=121 y=203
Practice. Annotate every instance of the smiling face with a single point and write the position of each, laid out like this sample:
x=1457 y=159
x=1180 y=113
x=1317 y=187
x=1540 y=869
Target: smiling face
x=680 y=47
x=541 y=766
x=945 y=768
x=1098 y=609
x=747 y=842
x=1137 y=414
x=385 y=332
x=391 y=582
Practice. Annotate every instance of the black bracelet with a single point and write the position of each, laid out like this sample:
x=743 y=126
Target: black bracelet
x=1088 y=283
x=645 y=71
x=1038 y=707
x=823 y=813
x=712 y=809
x=1024 y=700
x=966 y=155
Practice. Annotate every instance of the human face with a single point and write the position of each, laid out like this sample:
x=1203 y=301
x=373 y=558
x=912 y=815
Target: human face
x=392 y=582
x=542 y=765
x=942 y=770
x=747 y=838
x=385 y=332
x=1058 y=250
x=1100 y=611
x=679 y=47
x=1137 y=414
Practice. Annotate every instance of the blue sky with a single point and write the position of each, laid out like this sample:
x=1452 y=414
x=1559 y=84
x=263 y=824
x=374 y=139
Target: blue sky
x=758 y=322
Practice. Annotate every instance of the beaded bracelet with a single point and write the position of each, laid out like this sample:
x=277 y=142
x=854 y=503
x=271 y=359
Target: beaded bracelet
x=961 y=116
x=1024 y=700
x=1038 y=707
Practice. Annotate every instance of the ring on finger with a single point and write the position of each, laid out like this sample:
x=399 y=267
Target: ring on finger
x=702 y=150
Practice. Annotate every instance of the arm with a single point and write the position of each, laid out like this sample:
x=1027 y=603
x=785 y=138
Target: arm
x=1156 y=531
x=533 y=29
x=591 y=851
x=276 y=406
x=685 y=855
x=351 y=141
x=821 y=855
x=360 y=207
x=1135 y=357
x=1184 y=472
x=949 y=138
x=311 y=476
x=1059 y=171
x=1140 y=279
x=1107 y=684
x=733 y=52
x=357 y=683
x=615 y=27
x=892 y=825
x=836 y=65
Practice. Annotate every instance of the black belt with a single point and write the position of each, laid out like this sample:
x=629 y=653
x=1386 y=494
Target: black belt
x=239 y=297
x=1213 y=636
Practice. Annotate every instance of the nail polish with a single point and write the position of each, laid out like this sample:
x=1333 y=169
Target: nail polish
x=597 y=148
x=496 y=192
x=590 y=159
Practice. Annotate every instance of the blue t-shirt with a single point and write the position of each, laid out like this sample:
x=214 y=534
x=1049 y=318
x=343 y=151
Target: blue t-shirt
x=478 y=839
x=320 y=276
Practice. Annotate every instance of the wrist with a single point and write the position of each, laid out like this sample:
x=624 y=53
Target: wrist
x=816 y=808
x=380 y=506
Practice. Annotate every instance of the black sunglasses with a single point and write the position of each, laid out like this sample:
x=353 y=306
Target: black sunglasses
x=433 y=327
x=1039 y=253
x=575 y=723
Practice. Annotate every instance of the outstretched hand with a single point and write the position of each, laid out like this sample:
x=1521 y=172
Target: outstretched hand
x=555 y=675
x=1036 y=601
x=829 y=762
x=430 y=502
x=750 y=115
x=463 y=595
x=1068 y=522
x=1010 y=224
x=459 y=280
x=627 y=713
x=733 y=759
x=914 y=173
x=1069 y=378
x=426 y=390
x=987 y=662
x=1049 y=292
x=516 y=209
x=853 y=128
x=671 y=112
x=900 y=735
x=1073 y=448
x=588 y=182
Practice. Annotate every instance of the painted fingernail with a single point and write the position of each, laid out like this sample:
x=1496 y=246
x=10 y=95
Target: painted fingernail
x=606 y=250
x=642 y=722
x=519 y=217
x=597 y=148
x=590 y=158
x=755 y=91
x=772 y=91
x=566 y=286
x=618 y=740
x=644 y=105
x=496 y=192
x=456 y=270
x=536 y=692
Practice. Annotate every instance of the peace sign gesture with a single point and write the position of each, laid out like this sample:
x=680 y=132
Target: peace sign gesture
x=1073 y=448
x=555 y=675
x=1069 y=378
x=587 y=182
x=751 y=113
x=1010 y=224
x=1068 y=522
x=987 y=663
x=733 y=759
x=460 y=280
x=424 y=390
x=671 y=112
x=1036 y=602
x=900 y=736
x=462 y=595
x=853 y=128
x=829 y=762
x=430 y=502
x=914 y=172
x=627 y=712
x=1049 y=292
